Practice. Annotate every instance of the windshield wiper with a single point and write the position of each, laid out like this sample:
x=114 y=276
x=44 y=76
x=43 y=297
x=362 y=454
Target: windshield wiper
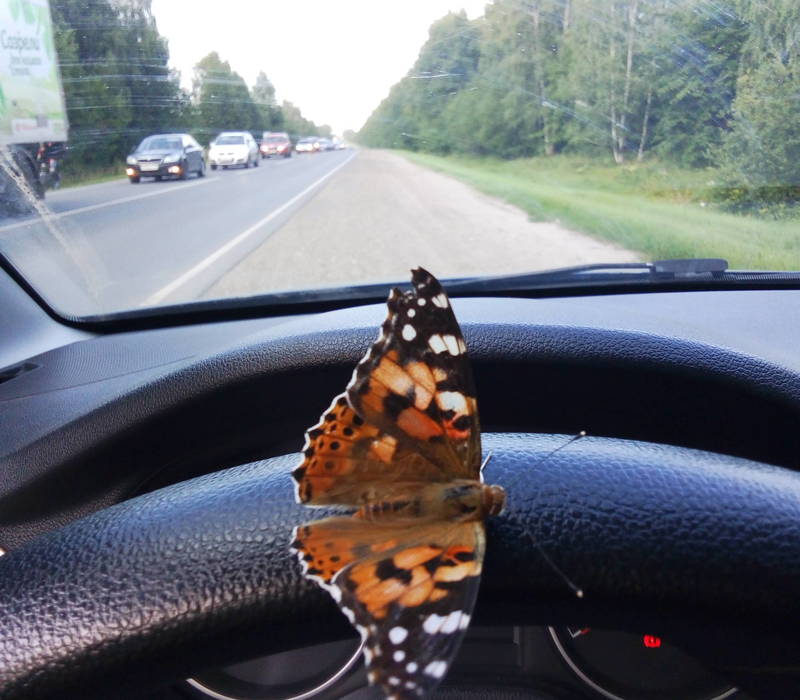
x=678 y=271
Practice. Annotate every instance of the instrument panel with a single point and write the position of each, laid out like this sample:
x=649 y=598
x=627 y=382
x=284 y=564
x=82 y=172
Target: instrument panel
x=545 y=663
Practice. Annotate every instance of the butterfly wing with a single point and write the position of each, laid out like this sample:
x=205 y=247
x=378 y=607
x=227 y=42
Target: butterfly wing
x=415 y=383
x=346 y=458
x=409 y=590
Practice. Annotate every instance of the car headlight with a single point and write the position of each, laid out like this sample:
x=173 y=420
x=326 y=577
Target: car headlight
x=131 y=160
x=172 y=158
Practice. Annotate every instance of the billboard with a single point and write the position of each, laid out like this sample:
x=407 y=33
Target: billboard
x=31 y=99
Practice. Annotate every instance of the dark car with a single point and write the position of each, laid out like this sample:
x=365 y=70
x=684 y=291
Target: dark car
x=166 y=155
x=275 y=144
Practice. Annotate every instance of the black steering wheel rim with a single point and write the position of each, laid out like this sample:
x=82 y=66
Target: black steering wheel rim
x=701 y=548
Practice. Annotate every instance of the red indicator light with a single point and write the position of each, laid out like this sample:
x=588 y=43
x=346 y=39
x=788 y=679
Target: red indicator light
x=651 y=642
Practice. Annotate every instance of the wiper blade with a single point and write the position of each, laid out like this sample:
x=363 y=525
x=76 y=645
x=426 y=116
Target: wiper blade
x=680 y=272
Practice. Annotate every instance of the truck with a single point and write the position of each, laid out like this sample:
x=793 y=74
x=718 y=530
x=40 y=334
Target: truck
x=32 y=106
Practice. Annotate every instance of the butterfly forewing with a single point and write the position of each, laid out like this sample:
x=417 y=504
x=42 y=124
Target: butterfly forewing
x=415 y=383
x=345 y=457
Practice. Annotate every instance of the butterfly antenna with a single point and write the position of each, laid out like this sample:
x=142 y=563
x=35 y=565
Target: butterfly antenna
x=574 y=438
x=486 y=461
x=566 y=579
x=575 y=589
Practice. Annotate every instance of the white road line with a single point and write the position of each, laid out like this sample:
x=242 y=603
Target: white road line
x=168 y=289
x=111 y=203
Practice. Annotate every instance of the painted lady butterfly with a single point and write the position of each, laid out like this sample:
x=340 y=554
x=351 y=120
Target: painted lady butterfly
x=402 y=446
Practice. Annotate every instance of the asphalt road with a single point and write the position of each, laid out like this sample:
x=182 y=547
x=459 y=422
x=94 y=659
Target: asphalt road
x=113 y=246
x=328 y=219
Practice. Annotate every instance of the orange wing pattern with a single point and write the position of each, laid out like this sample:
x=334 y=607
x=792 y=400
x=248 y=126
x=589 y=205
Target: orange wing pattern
x=411 y=602
x=415 y=383
x=347 y=461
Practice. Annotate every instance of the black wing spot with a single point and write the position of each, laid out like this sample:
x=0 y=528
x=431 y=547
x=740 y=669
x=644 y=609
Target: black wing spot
x=462 y=422
x=348 y=431
x=387 y=569
x=335 y=445
x=395 y=404
x=299 y=473
x=358 y=420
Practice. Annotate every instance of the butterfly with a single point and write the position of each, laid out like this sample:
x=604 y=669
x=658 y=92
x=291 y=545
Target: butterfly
x=401 y=447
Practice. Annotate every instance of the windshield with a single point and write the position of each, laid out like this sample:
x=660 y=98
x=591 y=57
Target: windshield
x=159 y=143
x=473 y=138
x=229 y=141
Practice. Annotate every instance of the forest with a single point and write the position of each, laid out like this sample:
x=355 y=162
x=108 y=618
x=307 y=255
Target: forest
x=119 y=88
x=696 y=83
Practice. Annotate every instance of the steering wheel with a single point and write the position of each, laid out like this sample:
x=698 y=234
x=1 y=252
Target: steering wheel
x=701 y=548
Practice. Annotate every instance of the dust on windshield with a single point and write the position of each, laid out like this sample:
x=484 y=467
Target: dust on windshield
x=470 y=137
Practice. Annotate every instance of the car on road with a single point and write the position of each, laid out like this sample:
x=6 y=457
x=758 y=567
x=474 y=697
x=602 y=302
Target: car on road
x=166 y=155
x=309 y=144
x=233 y=148
x=275 y=144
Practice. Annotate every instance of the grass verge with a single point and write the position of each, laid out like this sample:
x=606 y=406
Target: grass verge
x=658 y=211
x=93 y=176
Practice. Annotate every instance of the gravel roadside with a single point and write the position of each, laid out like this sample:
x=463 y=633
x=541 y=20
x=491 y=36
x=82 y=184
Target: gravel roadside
x=381 y=215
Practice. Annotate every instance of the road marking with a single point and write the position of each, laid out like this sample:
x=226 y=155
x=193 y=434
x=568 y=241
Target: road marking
x=168 y=289
x=113 y=202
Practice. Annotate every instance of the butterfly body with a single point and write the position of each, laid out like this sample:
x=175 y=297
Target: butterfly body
x=460 y=500
x=401 y=448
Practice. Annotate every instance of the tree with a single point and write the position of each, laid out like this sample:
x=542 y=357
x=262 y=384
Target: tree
x=263 y=94
x=698 y=47
x=222 y=99
x=760 y=155
x=117 y=83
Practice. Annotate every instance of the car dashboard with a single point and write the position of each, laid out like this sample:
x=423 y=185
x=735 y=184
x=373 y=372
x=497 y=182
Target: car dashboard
x=92 y=419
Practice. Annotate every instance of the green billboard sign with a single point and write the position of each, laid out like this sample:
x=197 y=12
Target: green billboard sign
x=31 y=99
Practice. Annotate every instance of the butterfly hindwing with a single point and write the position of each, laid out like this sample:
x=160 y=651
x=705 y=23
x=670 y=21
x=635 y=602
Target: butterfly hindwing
x=408 y=590
x=416 y=384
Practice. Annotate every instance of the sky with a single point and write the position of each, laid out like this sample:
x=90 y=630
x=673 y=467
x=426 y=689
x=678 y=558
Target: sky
x=336 y=60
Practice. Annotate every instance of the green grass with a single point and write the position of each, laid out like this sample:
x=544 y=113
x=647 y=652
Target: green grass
x=656 y=210
x=105 y=173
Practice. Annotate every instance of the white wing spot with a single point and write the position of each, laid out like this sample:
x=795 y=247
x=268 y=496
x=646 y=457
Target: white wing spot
x=437 y=669
x=412 y=667
x=399 y=655
x=410 y=685
x=411 y=313
x=432 y=623
x=464 y=622
x=436 y=343
x=409 y=332
x=394 y=680
x=367 y=655
x=348 y=613
x=462 y=345
x=451 y=622
x=440 y=300
x=397 y=635
x=452 y=344
x=422 y=301
x=452 y=401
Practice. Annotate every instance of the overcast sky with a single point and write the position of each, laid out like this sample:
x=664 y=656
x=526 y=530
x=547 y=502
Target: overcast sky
x=336 y=60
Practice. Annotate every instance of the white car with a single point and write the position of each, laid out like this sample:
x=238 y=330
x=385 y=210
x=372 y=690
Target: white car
x=233 y=148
